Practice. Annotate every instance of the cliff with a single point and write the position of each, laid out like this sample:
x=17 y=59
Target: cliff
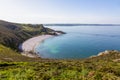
x=12 y=34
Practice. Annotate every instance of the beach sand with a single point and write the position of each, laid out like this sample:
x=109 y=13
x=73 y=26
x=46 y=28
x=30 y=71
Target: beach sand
x=28 y=47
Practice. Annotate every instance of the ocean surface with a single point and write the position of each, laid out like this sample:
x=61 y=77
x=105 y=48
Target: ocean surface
x=80 y=42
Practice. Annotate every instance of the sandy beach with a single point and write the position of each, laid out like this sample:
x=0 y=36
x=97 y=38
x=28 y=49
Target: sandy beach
x=30 y=44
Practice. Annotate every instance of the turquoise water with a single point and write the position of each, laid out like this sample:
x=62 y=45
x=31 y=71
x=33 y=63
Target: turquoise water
x=80 y=42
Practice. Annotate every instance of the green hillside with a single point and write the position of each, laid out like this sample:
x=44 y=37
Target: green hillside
x=14 y=66
x=12 y=34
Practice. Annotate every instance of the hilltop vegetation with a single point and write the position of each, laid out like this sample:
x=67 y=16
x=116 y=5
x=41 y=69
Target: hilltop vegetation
x=14 y=66
x=12 y=34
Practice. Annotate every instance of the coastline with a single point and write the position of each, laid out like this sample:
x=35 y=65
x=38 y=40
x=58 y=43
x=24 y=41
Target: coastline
x=28 y=46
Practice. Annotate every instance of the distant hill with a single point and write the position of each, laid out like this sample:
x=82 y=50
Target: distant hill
x=81 y=24
x=12 y=34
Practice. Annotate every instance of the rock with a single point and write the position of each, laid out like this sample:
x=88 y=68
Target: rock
x=56 y=33
x=116 y=60
x=30 y=54
x=91 y=73
x=106 y=52
x=103 y=53
x=9 y=59
x=94 y=56
x=60 y=32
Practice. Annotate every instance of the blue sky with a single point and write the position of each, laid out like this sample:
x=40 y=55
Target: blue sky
x=60 y=11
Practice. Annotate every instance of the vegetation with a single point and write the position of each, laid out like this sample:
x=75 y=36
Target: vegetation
x=12 y=34
x=14 y=66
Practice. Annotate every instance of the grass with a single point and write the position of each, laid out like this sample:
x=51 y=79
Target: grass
x=23 y=68
x=14 y=66
x=30 y=27
x=9 y=55
x=13 y=34
x=58 y=71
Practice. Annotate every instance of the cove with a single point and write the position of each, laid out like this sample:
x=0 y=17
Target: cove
x=80 y=42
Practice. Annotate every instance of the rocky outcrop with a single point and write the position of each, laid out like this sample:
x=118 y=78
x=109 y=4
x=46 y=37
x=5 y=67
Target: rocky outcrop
x=107 y=52
x=56 y=33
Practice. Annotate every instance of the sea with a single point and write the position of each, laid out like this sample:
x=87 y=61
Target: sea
x=80 y=42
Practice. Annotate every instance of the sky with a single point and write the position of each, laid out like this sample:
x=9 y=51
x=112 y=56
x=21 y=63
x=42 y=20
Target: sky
x=60 y=11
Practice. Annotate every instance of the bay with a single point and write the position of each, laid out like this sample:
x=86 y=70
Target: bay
x=80 y=42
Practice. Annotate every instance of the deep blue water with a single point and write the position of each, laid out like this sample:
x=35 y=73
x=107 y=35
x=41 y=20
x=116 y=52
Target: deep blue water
x=80 y=42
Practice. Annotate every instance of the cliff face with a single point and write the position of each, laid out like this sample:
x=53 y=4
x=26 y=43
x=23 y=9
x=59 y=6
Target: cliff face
x=12 y=34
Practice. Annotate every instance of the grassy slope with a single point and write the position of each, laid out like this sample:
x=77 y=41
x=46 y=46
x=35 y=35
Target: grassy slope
x=14 y=66
x=9 y=55
x=12 y=34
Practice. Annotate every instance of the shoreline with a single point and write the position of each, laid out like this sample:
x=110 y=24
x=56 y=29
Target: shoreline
x=28 y=46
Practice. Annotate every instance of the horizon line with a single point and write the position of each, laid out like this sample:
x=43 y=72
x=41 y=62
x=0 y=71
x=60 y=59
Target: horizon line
x=63 y=23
